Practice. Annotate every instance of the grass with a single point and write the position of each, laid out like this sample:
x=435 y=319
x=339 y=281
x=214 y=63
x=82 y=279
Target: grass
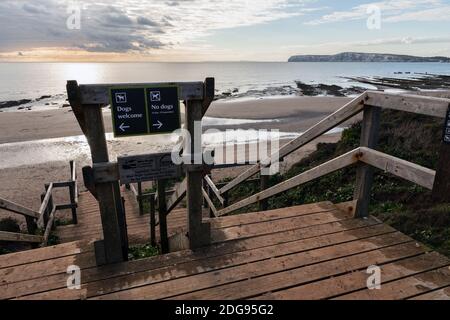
x=407 y=207
x=142 y=251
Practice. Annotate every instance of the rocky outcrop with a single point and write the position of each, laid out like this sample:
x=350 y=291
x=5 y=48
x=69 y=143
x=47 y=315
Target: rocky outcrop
x=365 y=57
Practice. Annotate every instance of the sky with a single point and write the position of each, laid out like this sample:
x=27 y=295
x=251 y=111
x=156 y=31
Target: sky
x=218 y=30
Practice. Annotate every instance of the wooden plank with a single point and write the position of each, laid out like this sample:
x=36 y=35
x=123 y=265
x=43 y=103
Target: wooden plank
x=264 y=184
x=44 y=205
x=336 y=286
x=20 y=237
x=271 y=215
x=364 y=172
x=16 y=208
x=405 y=288
x=177 y=197
x=333 y=165
x=441 y=187
x=47 y=253
x=348 y=207
x=162 y=210
x=442 y=294
x=430 y=106
x=105 y=172
x=398 y=167
x=49 y=227
x=209 y=93
x=267 y=227
x=60 y=207
x=198 y=232
x=95 y=134
x=152 y=221
x=98 y=94
x=220 y=262
x=45 y=268
x=63 y=184
x=346 y=112
x=210 y=203
x=139 y=199
x=214 y=189
x=73 y=170
x=300 y=275
x=317 y=235
x=232 y=283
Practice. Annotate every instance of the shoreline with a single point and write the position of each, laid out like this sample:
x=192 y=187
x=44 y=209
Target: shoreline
x=21 y=135
x=288 y=114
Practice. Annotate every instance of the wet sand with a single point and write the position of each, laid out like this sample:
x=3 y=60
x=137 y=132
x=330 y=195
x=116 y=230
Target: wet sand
x=294 y=114
x=23 y=182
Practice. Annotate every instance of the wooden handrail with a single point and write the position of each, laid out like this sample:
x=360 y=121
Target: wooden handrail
x=429 y=106
x=177 y=197
x=98 y=94
x=20 y=237
x=44 y=204
x=49 y=226
x=425 y=105
x=16 y=208
x=214 y=189
x=371 y=100
x=401 y=168
x=73 y=171
x=307 y=176
x=343 y=114
x=210 y=203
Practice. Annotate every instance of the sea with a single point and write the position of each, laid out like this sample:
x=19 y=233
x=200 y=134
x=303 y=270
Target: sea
x=240 y=79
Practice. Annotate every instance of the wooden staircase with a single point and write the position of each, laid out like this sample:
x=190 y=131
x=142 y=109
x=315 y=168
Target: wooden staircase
x=314 y=251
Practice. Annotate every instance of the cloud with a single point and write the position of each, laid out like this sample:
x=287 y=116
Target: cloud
x=391 y=10
x=132 y=25
x=33 y=8
x=436 y=14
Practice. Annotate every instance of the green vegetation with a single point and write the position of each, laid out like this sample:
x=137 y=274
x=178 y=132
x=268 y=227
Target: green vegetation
x=403 y=205
x=9 y=225
x=63 y=222
x=142 y=251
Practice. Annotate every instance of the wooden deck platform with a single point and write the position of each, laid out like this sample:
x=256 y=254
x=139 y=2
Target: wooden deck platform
x=313 y=251
x=89 y=225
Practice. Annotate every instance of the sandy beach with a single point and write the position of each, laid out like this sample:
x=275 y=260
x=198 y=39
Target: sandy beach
x=33 y=152
x=293 y=114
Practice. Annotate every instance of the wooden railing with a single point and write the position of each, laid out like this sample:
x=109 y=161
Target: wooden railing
x=31 y=217
x=365 y=157
x=371 y=103
x=44 y=218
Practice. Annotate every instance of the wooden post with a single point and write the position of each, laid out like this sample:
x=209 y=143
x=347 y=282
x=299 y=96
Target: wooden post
x=264 y=184
x=31 y=224
x=225 y=199
x=199 y=233
x=210 y=195
x=45 y=213
x=364 y=173
x=50 y=209
x=162 y=209
x=107 y=193
x=441 y=188
x=121 y=218
x=72 y=190
x=206 y=187
x=152 y=221
x=72 y=201
x=141 y=205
